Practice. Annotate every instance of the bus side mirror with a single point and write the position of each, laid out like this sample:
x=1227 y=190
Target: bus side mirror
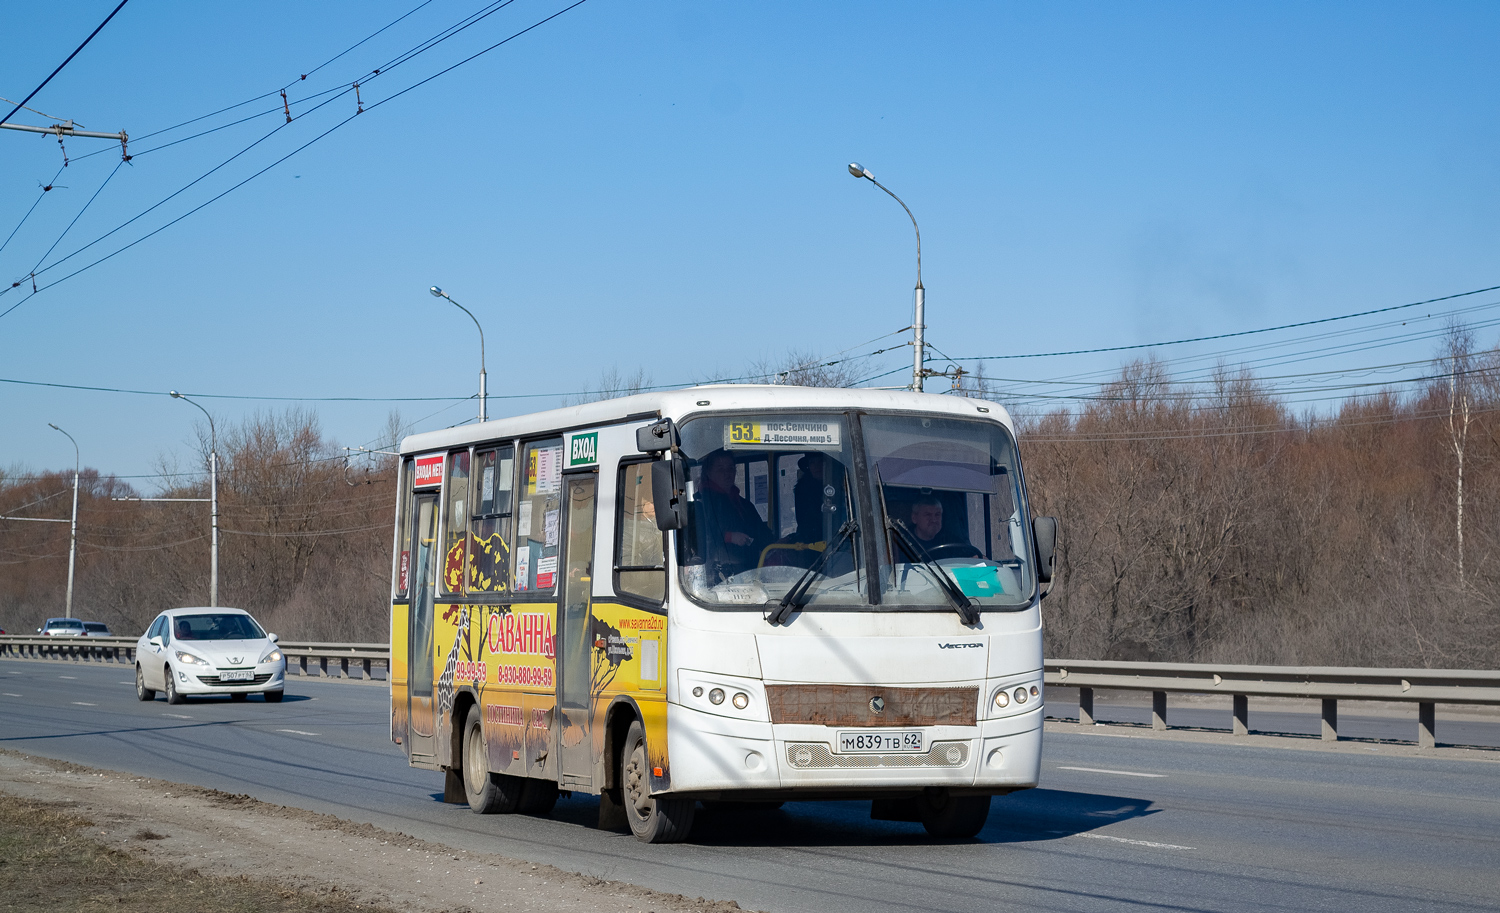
x=656 y=437
x=1045 y=531
x=669 y=492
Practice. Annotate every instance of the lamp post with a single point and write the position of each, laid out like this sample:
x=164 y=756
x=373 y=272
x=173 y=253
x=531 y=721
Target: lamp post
x=918 y=327
x=73 y=528
x=484 y=413
x=213 y=497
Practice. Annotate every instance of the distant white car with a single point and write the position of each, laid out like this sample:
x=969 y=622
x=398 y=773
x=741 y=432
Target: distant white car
x=208 y=651
x=96 y=629
x=61 y=627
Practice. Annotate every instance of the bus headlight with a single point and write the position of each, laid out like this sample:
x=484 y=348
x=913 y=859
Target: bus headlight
x=1020 y=695
x=741 y=700
x=716 y=696
x=1002 y=700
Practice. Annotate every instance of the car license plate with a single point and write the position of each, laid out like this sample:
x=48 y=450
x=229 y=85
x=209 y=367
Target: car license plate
x=231 y=675
x=880 y=742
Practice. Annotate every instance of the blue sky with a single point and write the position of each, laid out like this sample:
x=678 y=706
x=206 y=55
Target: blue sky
x=663 y=186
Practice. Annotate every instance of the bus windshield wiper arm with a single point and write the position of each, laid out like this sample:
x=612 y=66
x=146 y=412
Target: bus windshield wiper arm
x=795 y=597
x=914 y=549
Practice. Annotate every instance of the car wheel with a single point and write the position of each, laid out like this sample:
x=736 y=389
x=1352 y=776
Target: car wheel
x=955 y=816
x=142 y=693
x=487 y=792
x=173 y=695
x=238 y=696
x=652 y=819
x=274 y=697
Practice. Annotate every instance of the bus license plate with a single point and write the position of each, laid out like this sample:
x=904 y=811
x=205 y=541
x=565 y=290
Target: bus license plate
x=234 y=676
x=880 y=742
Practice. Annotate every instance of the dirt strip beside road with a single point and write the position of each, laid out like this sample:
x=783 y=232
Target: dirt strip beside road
x=197 y=830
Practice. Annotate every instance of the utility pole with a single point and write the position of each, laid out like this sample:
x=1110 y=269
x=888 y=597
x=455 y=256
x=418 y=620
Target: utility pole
x=213 y=473
x=73 y=529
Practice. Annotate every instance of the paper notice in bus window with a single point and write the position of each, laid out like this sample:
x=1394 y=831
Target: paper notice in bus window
x=523 y=568
x=523 y=522
x=818 y=434
x=549 y=527
x=487 y=487
x=549 y=469
x=546 y=571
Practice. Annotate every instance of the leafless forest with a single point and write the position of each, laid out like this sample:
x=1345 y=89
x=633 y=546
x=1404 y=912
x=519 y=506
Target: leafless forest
x=1207 y=522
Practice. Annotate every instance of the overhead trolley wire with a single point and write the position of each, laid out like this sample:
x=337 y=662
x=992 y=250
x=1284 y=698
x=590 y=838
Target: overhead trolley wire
x=65 y=62
x=262 y=171
x=46 y=188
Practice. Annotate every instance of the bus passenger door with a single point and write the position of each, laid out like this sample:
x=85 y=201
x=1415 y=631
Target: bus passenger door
x=419 y=633
x=575 y=638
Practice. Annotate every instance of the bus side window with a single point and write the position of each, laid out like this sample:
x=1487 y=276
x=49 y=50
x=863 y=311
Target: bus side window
x=403 y=533
x=640 y=561
x=455 y=522
x=489 y=528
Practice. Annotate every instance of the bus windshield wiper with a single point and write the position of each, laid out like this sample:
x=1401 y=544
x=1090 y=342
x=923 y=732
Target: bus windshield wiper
x=795 y=597
x=914 y=549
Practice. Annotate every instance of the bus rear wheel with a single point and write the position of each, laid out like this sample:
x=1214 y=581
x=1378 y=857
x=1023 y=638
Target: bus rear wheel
x=652 y=819
x=487 y=792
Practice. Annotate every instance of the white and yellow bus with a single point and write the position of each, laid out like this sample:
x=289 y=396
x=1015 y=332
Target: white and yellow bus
x=728 y=594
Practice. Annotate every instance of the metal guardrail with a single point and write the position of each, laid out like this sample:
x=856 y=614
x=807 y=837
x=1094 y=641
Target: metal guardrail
x=1330 y=684
x=327 y=660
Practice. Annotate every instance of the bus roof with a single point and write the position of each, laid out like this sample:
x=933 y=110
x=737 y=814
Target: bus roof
x=707 y=398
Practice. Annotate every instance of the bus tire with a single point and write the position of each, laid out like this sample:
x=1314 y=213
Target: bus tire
x=487 y=792
x=652 y=820
x=538 y=797
x=142 y=693
x=954 y=817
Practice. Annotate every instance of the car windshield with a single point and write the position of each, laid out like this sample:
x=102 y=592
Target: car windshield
x=216 y=626
x=951 y=503
x=768 y=495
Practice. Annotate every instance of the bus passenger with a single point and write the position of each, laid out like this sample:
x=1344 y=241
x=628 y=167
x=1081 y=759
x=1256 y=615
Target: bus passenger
x=732 y=528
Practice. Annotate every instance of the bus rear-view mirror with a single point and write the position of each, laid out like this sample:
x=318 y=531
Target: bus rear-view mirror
x=1045 y=531
x=669 y=492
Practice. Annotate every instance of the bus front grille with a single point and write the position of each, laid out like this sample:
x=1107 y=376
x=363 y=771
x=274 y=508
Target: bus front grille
x=818 y=756
x=872 y=705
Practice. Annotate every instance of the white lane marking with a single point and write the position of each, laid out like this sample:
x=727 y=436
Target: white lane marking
x=124 y=683
x=85 y=704
x=10 y=694
x=178 y=715
x=1153 y=845
x=1122 y=773
x=296 y=732
x=71 y=677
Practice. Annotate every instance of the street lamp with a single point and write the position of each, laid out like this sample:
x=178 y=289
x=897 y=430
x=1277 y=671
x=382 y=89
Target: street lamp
x=484 y=414
x=918 y=327
x=213 y=497
x=73 y=529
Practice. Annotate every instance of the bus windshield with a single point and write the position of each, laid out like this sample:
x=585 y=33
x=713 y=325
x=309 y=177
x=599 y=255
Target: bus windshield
x=949 y=492
x=768 y=496
x=774 y=507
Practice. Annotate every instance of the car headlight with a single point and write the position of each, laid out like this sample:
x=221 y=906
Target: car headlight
x=272 y=657
x=189 y=659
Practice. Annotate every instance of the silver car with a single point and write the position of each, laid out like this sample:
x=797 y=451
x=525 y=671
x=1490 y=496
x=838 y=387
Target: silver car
x=61 y=627
x=208 y=651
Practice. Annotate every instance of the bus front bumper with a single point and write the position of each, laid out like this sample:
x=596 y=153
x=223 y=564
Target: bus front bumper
x=712 y=754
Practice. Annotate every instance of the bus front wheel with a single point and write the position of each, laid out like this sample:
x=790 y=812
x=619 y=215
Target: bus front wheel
x=653 y=820
x=958 y=817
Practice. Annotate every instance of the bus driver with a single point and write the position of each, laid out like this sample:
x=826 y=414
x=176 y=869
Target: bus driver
x=732 y=528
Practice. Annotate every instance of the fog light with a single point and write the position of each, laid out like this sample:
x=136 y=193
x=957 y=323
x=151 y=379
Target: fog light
x=1033 y=691
x=716 y=696
x=996 y=760
x=741 y=701
x=698 y=691
x=802 y=757
x=1002 y=700
x=1020 y=695
x=954 y=755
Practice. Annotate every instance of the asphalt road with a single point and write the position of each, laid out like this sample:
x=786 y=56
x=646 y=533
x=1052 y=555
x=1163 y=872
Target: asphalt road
x=1119 y=822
